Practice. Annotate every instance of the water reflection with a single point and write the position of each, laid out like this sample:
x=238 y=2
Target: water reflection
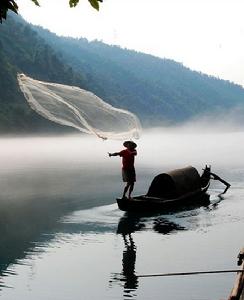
x=129 y=263
x=215 y=202
x=23 y=226
x=27 y=227
x=126 y=226
x=165 y=226
x=48 y=179
x=44 y=223
x=129 y=224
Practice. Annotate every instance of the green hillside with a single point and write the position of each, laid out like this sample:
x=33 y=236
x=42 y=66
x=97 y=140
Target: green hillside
x=155 y=88
x=22 y=50
x=159 y=91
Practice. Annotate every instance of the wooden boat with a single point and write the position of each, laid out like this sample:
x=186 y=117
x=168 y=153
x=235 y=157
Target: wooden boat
x=172 y=190
x=237 y=292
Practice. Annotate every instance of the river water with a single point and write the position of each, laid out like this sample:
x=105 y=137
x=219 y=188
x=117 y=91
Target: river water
x=62 y=236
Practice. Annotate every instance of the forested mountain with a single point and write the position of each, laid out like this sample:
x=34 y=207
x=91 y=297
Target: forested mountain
x=159 y=91
x=22 y=50
x=146 y=84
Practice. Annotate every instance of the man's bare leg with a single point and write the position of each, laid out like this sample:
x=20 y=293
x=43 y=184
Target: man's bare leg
x=126 y=189
x=131 y=189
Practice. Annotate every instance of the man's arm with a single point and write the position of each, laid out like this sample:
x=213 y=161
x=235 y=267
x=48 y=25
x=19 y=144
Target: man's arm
x=113 y=154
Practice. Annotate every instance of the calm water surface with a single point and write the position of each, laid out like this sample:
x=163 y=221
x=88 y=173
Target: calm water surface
x=63 y=237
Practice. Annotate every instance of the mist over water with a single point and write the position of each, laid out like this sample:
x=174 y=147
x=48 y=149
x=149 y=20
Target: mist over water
x=31 y=165
x=62 y=233
x=159 y=146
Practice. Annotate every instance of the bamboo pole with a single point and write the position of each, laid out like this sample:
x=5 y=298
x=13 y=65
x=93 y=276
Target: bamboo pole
x=237 y=292
x=191 y=273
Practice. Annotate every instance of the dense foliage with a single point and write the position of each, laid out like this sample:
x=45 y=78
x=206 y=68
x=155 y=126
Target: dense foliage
x=6 y=5
x=22 y=50
x=159 y=91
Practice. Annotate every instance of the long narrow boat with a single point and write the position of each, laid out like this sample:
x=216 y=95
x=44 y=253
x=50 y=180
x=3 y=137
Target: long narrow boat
x=172 y=190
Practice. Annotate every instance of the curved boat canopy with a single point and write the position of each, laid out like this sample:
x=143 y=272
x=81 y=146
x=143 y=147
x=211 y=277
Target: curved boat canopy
x=175 y=183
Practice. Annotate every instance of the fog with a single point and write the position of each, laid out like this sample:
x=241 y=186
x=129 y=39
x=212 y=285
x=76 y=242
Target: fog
x=79 y=164
x=219 y=120
x=158 y=147
x=187 y=146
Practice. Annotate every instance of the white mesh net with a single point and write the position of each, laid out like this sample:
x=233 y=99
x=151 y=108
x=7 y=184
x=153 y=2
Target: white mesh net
x=72 y=106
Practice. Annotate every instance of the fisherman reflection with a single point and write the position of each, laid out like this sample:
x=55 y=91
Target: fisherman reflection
x=127 y=225
x=128 y=263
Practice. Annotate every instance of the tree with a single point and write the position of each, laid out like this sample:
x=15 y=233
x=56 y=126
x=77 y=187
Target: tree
x=6 y=5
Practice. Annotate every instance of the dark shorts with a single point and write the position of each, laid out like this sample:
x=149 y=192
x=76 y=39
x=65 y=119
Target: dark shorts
x=129 y=175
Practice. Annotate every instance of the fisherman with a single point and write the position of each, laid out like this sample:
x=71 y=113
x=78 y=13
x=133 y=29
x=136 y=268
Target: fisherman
x=128 y=169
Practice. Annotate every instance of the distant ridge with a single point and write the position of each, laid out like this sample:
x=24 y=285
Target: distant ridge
x=159 y=91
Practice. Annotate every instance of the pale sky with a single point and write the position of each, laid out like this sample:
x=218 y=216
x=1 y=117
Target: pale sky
x=204 y=35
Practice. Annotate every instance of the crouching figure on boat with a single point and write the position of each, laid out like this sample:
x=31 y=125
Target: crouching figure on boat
x=128 y=168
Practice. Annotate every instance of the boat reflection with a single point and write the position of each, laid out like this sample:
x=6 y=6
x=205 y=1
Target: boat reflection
x=132 y=222
x=164 y=226
x=129 y=224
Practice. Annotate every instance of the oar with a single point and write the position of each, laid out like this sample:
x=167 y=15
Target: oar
x=216 y=177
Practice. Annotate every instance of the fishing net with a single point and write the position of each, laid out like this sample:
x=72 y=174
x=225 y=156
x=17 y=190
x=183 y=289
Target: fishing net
x=78 y=108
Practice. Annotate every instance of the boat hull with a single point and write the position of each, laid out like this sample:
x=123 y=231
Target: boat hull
x=150 y=204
